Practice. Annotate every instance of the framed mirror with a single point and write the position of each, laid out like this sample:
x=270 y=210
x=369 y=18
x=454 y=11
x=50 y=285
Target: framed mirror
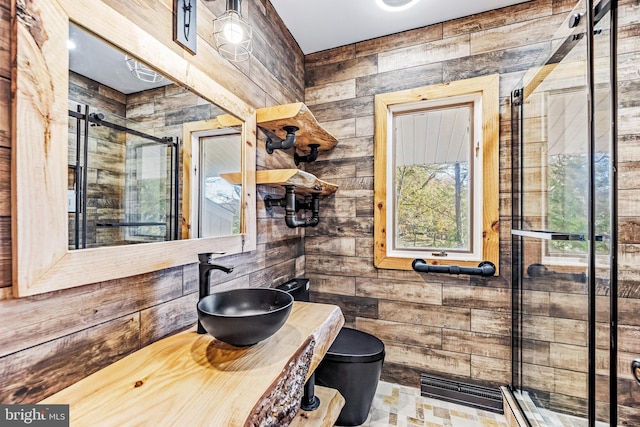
x=148 y=209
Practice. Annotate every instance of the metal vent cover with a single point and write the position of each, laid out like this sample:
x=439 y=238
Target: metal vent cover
x=489 y=399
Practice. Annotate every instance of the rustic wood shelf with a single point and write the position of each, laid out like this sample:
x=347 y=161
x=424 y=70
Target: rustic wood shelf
x=305 y=182
x=331 y=403
x=190 y=379
x=273 y=119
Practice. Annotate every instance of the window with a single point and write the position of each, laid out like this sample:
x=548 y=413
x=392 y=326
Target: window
x=436 y=175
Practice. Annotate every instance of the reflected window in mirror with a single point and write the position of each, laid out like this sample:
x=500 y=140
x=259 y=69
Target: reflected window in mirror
x=219 y=200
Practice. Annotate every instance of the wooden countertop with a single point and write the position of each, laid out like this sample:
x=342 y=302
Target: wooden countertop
x=191 y=380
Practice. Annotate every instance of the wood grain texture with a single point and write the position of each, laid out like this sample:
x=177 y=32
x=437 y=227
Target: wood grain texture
x=42 y=262
x=297 y=114
x=39 y=371
x=331 y=403
x=399 y=40
x=5 y=45
x=498 y=18
x=177 y=378
x=488 y=87
x=5 y=119
x=304 y=182
x=5 y=253
x=65 y=313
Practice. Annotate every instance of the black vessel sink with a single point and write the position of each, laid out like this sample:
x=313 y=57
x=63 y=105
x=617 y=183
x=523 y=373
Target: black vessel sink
x=243 y=317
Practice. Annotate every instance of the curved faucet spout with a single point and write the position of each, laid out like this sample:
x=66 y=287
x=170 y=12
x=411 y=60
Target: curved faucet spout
x=205 y=267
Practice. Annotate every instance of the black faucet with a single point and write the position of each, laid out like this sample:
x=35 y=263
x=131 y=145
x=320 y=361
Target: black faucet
x=205 y=268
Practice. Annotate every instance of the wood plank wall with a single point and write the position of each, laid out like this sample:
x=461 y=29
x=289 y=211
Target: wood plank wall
x=458 y=327
x=453 y=327
x=629 y=210
x=50 y=341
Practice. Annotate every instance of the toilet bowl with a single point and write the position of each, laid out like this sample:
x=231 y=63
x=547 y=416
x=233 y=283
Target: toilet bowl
x=352 y=365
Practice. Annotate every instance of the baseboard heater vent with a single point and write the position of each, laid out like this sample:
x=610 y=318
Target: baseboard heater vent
x=489 y=399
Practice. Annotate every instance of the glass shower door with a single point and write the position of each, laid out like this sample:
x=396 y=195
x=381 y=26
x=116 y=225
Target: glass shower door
x=562 y=226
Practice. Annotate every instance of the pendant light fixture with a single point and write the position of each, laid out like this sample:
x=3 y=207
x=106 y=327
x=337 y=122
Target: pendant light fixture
x=141 y=71
x=232 y=34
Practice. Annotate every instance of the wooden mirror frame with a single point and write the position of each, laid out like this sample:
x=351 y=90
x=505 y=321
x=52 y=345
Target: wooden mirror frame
x=42 y=261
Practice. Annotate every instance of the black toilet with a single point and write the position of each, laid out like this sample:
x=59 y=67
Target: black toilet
x=352 y=364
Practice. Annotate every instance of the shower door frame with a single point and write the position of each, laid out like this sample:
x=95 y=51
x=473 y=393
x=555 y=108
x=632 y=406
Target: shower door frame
x=594 y=13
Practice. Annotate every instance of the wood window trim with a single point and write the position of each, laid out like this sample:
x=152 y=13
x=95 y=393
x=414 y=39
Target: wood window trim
x=488 y=87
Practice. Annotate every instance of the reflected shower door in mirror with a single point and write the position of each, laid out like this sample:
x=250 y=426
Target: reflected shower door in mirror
x=125 y=125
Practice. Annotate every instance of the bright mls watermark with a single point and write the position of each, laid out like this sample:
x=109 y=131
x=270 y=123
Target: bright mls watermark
x=34 y=415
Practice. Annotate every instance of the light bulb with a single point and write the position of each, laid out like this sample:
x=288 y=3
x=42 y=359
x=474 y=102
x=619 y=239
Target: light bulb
x=233 y=32
x=396 y=5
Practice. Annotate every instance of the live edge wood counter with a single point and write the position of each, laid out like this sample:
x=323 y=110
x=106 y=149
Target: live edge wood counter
x=195 y=380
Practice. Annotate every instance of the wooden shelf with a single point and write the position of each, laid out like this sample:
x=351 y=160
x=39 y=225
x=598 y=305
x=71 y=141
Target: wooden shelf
x=273 y=119
x=331 y=403
x=305 y=182
x=191 y=380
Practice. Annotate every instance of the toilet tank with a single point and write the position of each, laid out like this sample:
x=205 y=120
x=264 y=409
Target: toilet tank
x=298 y=288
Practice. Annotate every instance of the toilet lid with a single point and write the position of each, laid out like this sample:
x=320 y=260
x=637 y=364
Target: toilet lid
x=355 y=346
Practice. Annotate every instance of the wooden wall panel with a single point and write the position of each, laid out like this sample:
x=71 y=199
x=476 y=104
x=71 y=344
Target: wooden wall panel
x=437 y=362
x=426 y=53
x=34 y=373
x=5 y=253
x=489 y=370
x=425 y=293
x=399 y=40
x=5 y=102
x=52 y=316
x=162 y=320
x=5 y=20
x=415 y=335
x=468 y=317
x=50 y=341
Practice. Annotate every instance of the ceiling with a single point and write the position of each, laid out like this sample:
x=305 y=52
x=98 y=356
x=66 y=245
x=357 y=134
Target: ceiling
x=324 y=24
x=99 y=61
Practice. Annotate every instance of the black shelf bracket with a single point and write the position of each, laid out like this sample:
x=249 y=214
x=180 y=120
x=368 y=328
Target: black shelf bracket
x=292 y=206
x=283 y=144
x=311 y=157
x=484 y=269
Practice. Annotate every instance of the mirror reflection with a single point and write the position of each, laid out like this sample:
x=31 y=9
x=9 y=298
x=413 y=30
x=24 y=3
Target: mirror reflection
x=125 y=129
x=219 y=201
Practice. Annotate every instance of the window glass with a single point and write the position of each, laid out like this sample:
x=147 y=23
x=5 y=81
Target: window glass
x=432 y=178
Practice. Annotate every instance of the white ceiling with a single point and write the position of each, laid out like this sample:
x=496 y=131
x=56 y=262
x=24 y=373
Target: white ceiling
x=324 y=24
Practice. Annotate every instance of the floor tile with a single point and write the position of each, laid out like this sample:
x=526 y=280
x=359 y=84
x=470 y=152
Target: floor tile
x=402 y=406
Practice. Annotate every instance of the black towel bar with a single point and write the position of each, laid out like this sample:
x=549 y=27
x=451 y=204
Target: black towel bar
x=485 y=268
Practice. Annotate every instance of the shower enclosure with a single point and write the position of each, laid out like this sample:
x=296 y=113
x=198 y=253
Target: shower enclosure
x=567 y=365
x=123 y=183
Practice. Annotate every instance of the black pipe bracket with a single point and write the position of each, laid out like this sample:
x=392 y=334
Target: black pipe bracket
x=484 y=269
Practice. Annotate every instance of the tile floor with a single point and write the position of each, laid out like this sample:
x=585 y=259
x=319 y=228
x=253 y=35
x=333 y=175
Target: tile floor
x=396 y=405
